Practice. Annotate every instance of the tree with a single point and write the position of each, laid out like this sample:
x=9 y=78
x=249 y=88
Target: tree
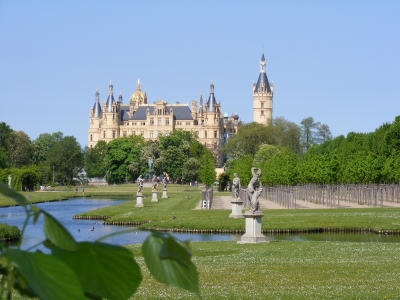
x=122 y=155
x=280 y=168
x=287 y=134
x=324 y=134
x=265 y=153
x=95 y=160
x=42 y=145
x=190 y=169
x=207 y=173
x=67 y=158
x=248 y=140
x=5 y=132
x=174 y=151
x=19 y=149
x=313 y=132
x=242 y=167
x=308 y=132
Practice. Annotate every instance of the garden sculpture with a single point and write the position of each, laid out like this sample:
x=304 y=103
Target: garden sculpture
x=140 y=184
x=155 y=184
x=254 y=190
x=236 y=186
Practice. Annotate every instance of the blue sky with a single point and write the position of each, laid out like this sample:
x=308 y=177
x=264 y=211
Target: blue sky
x=336 y=61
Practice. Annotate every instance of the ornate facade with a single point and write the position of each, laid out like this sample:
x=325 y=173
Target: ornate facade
x=263 y=93
x=115 y=119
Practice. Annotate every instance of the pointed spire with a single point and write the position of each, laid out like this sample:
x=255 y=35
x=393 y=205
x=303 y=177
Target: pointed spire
x=211 y=100
x=145 y=98
x=120 y=97
x=262 y=82
x=138 y=85
x=96 y=107
x=110 y=99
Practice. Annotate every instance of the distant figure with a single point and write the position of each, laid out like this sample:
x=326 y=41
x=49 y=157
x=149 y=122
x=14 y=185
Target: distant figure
x=9 y=181
x=76 y=190
x=236 y=186
x=254 y=190
x=140 y=184
x=83 y=191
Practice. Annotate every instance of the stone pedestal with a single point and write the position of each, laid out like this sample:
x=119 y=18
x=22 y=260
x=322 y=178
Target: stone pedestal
x=139 y=200
x=164 y=193
x=236 y=209
x=253 y=233
x=154 y=196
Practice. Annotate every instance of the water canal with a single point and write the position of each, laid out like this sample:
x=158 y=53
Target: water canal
x=91 y=230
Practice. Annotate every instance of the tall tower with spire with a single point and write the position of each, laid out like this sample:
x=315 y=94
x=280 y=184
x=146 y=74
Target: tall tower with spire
x=263 y=93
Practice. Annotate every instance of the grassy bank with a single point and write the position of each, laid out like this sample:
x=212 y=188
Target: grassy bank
x=178 y=213
x=287 y=270
x=9 y=233
x=113 y=191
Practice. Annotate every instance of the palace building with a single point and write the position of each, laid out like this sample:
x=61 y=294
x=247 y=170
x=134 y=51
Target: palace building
x=113 y=119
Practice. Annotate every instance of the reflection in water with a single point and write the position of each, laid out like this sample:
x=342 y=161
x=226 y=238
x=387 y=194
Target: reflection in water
x=91 y=230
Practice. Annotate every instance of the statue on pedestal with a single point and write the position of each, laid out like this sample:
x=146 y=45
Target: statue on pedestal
x=236 y=186
x=254 y=190
x=164 y=183
x=140 y=184
x=154 y=184
x=9 y=181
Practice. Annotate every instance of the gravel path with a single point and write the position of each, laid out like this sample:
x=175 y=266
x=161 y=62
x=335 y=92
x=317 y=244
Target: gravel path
x=224 y=202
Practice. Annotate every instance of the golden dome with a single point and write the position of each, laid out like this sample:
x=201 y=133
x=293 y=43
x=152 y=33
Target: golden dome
x=138 y=96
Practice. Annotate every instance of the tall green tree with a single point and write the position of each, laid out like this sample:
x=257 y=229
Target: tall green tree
x=280 y=168
x=191 y=169
x=248 y=140
x=5 y=132
x=122 y=159
x=287 y=134
x=207 y=174
x=67 y=158
x=20 y=149
x=95 y=165
x=242 y=167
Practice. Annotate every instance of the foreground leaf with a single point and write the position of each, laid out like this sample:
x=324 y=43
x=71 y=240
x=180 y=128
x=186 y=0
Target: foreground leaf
x=169 y=262
x=57 y=234
x=46 y=276
x=6 y=191
x=105 y=271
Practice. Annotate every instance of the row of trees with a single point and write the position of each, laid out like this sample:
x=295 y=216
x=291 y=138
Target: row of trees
x=358 y=158
x=57 y=155
x=178 y=155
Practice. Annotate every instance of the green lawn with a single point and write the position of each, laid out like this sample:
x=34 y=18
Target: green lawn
x=287 y=270
x=179 y=213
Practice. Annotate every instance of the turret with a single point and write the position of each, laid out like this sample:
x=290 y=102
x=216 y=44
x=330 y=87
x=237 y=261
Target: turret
x=110 y=99
x=97 y=107
x=263 y=93
x=211 y=103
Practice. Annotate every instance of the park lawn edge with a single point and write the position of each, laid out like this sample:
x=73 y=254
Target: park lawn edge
x=177 y=214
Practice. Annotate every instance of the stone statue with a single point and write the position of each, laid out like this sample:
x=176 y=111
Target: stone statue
x=254 y=190
x=164 y=183
x=236 y=186
x=9 y=181
x=155 y=184
x=140 y=184
x=150 y=162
